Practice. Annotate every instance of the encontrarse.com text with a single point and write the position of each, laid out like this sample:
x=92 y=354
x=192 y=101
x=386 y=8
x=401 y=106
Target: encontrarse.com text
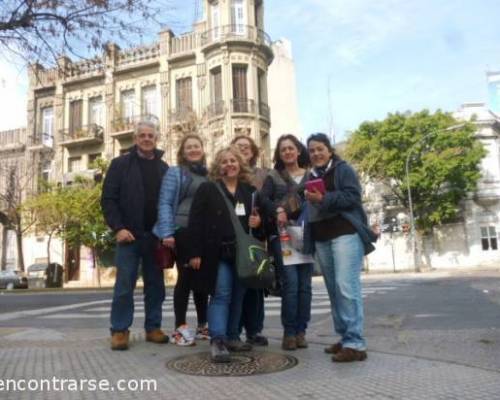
x=77 y=385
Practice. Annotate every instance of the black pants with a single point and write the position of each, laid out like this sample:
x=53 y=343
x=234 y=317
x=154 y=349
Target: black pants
x=182 y=290
x=186 y=278
x=252 y=315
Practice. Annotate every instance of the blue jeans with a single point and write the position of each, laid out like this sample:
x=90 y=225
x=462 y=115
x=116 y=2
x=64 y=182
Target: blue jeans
x=128 y=258
x=296 y=293
x=341 y=260
x=224 y=309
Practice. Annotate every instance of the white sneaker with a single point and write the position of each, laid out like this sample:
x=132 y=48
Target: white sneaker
x=183 y=336
x=202 y=333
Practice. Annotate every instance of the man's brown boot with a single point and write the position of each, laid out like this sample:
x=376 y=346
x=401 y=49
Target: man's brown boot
x=119 y=340
x=301 y=341
x=334 y=348
x=289 y=343
x=156 y=336
x=349 y=355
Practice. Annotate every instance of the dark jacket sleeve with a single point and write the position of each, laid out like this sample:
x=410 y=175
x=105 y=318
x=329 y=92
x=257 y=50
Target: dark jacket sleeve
x=110 y=199
x=347 y=193
x=197 y=219
x=268 y=205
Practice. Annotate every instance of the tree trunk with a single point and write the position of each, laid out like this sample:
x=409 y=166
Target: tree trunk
x=96 y=266
x=3 y=264
x=48 y=247
x=20 y=254
x=423 y=251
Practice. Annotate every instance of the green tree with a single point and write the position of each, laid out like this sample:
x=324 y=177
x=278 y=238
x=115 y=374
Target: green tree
x=74 y=214
x=86 y=223
x=444 y=161
x=50 y=210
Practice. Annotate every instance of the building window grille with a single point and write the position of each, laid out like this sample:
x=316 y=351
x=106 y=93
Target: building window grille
x=74 y=164
x=47 y=126
x=149 y=100
x=184 y=95
x=489 y=240
x=96 y=111
x=128 y=105
x=240 y=88
x=75 y=117
x=238 y=20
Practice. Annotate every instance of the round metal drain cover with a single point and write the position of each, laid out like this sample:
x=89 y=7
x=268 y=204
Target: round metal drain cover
x=242 y=364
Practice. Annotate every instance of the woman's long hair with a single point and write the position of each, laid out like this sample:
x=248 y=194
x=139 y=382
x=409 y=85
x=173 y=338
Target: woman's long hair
x=214 y=172
x=303 y=159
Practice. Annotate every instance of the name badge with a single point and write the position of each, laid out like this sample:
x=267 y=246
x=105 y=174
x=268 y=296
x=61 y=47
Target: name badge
x=240 y=209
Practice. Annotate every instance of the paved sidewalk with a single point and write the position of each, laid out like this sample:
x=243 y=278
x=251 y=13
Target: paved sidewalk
x=85 y=355
x=405 y=361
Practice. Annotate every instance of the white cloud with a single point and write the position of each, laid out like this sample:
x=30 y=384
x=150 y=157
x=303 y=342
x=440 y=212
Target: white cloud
x=13 y=96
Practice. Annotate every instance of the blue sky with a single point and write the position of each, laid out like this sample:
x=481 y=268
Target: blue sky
x=377 y=56
x=386 y=55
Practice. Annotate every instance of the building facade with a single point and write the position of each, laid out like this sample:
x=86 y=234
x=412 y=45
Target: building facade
x=212 y=80
x=283 y=93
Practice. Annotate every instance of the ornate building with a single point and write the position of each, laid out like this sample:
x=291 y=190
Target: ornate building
x=213 y=79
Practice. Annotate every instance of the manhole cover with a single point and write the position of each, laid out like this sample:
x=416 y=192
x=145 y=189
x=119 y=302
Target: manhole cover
x=242 y=364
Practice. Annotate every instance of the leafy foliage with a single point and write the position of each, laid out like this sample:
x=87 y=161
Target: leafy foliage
x=444 y=161
x=74 y=213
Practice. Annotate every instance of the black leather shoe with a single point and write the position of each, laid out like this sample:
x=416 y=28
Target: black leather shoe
x=219 y=352
x=257 y=340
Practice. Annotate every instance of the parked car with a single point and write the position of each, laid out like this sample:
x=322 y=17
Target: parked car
x=43 y=275
x=13 y=280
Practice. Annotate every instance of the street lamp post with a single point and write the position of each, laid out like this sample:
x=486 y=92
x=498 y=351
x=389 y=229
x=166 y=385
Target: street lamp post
x=416 y=266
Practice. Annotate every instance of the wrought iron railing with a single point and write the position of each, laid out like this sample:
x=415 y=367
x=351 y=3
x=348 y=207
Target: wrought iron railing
x=215 y=109
x=235 y=32
x=92 y=131
x=243 y=106
x=264 y=110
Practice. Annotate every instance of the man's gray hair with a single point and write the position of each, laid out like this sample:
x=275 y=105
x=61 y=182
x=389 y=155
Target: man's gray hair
x=150 y=122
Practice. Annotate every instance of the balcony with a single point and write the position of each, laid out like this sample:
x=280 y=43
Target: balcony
x=264 y=111
x=237 y=33
x=182 y=116
x=123 y=128
x=138 y=56
x=41 y=142
x=183 y=45
x=90 y=134
x=246 y=106
x=12 y=140
x=215 y=109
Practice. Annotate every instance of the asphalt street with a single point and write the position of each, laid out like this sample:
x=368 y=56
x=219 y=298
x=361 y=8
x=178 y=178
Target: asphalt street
x=430 y=336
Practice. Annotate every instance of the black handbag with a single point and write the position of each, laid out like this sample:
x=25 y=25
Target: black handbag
x=253 y=266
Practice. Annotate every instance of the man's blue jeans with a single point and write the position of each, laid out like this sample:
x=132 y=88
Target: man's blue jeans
x=296 y=293
x=224 y=309
x=341 y=261
x=128 y=258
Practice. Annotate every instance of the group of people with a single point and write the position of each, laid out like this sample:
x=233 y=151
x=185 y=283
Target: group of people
x=188 y=208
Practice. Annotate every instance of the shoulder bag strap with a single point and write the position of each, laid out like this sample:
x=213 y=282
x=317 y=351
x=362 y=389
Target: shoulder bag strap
x=238 y=229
